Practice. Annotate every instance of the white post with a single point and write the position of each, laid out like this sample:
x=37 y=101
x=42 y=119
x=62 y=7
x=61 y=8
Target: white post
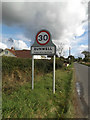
x=54 y=74
x=32 y=72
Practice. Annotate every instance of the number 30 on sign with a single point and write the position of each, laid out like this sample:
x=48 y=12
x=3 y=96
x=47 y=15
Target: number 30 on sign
x=43 y=37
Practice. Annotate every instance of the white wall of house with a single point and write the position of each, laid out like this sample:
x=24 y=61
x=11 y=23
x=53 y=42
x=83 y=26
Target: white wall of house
x=7 y=53
x=37 y=56
x=41 y=57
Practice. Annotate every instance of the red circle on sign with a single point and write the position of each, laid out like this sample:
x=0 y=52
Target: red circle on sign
x=47 y=40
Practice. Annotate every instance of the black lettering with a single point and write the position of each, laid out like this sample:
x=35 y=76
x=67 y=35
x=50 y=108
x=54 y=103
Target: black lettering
x=34 y=48
x=45 y=37
x=40 y=37
x=50 y=48
x=39 y=48
x=43 y=48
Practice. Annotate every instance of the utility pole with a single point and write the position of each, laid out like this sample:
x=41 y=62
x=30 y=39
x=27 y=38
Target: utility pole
x=69 y=51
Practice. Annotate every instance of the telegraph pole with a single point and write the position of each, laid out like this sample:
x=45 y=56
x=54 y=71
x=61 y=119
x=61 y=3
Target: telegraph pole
x=69 y=51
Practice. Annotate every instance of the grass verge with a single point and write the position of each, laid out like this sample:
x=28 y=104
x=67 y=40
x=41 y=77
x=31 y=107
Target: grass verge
x=87 y=64
x=40 y=102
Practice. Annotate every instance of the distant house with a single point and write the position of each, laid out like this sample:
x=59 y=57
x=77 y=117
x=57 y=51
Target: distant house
x=20 y=54
x=16 y=53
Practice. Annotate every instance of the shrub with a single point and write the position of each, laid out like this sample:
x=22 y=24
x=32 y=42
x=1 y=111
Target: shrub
x=10 y=64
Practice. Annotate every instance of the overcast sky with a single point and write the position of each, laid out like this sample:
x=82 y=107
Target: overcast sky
x=66 y=21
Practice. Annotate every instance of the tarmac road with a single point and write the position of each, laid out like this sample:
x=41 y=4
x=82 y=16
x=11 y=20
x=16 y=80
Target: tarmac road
x=81 y=75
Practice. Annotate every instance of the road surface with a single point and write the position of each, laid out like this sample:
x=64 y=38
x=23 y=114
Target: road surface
x=81 y=75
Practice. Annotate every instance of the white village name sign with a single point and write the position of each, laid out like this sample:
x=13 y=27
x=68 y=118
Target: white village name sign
x=43 y=46
x=43 y=50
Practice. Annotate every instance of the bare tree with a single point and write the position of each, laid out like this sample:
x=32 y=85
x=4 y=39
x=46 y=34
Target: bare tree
x=60 y=49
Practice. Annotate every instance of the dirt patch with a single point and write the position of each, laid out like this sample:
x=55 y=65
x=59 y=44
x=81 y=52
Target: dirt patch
x=15 y=79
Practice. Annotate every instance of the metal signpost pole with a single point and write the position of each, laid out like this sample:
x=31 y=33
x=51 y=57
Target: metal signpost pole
x=32 y=71
x=54 y=74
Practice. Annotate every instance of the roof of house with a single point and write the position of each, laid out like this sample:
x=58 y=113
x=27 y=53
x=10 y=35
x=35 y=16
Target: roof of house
x=21 y=53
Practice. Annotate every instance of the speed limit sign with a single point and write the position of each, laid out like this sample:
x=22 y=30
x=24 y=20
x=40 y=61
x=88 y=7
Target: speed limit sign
x=43 y=44
x=43 y=37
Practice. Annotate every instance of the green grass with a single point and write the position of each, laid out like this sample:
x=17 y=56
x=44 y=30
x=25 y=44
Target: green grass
x=24 y=102
x=87 y=64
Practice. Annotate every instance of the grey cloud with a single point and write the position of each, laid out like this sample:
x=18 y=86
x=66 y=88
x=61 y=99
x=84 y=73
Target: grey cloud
x=34 y=17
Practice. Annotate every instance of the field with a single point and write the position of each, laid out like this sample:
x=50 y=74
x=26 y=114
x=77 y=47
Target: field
x=20 y=101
